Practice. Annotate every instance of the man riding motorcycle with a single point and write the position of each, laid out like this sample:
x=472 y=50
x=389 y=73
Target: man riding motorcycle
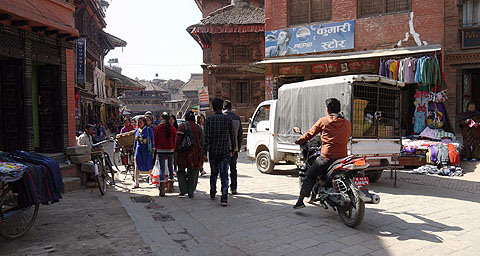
x=335 y=132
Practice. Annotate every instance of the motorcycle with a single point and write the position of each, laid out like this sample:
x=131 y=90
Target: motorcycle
x=343 y=187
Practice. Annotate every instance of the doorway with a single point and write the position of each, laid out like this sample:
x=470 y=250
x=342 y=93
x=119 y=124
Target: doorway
x=12 y=135
x=49 y=109
x=471 y=88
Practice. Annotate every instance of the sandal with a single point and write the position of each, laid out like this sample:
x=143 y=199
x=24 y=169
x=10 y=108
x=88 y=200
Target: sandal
x=136 y=186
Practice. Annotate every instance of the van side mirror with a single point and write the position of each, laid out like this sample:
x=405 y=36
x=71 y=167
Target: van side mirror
x=249 y=120
x=297 y=130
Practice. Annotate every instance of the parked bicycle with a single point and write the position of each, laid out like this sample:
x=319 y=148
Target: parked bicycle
x=125 y=157
x=15 y=220
x=101 y=162
x=124 y=154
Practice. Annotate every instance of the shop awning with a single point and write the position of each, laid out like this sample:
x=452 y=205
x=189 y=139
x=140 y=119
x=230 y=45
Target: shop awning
x=355 y=55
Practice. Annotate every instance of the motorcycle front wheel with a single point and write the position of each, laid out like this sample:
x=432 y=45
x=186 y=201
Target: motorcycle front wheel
x=353 y=213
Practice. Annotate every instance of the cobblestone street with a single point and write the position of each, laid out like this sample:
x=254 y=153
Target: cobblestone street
x=410 y=220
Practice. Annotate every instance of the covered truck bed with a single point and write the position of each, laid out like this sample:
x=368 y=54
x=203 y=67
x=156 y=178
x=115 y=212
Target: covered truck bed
x=302 y=104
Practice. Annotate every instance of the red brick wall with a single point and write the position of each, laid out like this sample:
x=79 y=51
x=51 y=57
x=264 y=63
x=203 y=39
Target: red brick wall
x=71 y=97
x=375 y=32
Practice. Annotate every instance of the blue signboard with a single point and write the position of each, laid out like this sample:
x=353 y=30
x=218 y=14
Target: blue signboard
x=81 y=59
x=310 y=39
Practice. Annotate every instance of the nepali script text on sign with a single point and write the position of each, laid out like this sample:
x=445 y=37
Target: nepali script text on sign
x=309 y=39
x=203 y=98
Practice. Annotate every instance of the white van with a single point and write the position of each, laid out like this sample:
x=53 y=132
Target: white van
x=372 y=104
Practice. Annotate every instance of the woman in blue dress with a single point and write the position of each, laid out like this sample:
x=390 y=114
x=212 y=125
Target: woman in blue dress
x=143 y=149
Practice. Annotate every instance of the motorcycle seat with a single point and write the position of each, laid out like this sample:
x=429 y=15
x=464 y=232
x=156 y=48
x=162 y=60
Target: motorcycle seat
x=332 y=167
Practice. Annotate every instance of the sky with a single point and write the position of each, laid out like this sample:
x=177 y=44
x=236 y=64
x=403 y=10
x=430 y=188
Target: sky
x=157 y=40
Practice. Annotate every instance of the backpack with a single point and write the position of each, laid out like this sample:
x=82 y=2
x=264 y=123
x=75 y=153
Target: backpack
x=188 y=140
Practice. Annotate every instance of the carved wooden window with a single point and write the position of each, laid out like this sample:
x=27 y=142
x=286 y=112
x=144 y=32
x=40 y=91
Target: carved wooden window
x=226 y=54
x=240 y=53
x=375 y=7
x=242 y=91
x=308 y=11
x=471 y=13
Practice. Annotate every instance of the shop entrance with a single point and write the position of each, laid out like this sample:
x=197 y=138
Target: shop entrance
x=471 y=88
x=49 y=109
x=12 y=128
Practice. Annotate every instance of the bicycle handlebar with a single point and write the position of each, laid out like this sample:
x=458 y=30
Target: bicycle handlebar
x=111 y=139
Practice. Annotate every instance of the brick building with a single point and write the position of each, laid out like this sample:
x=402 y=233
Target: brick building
x=462 y=54
x=37 y=102
x=231 y=35
x=332 y=38
x=94 y=103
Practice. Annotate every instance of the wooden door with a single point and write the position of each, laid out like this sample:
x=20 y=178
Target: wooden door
x=49 y=109
x=12 y=134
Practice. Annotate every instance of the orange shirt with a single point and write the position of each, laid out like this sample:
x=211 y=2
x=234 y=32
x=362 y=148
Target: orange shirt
x=335 y=135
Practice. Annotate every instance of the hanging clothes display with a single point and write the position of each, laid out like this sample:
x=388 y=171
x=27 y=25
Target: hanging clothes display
x=420 y=117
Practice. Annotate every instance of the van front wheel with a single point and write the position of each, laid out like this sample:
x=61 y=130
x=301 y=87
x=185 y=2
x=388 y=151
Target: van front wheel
x=264 y=162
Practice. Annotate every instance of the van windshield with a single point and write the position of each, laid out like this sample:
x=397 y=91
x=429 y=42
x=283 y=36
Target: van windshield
x=263 y=114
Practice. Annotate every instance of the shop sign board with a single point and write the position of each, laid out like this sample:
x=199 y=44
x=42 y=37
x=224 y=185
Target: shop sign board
x=203 y=98
x=310 y=39
x=291 y=70
x=471 y=38
x=350 y=66
x=81 y=60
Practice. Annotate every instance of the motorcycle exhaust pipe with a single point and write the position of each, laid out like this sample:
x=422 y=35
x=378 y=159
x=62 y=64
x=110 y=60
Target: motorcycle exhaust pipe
x=370 y=199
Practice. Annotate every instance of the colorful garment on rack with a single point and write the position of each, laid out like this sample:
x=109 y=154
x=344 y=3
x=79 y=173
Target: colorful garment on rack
x=420 y=116
x=10 y=172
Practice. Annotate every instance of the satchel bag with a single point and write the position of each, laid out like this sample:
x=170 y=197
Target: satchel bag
x=188 y=140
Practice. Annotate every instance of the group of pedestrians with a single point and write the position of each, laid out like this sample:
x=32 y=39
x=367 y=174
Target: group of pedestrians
x=187 y=146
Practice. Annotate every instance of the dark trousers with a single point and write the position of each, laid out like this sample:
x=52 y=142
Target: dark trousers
x=318 y=168
x=470 y=144
x=219 y=164
x=187 y=180
x=233 y=171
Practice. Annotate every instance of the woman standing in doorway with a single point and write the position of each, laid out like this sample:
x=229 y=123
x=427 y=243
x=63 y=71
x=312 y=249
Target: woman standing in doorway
x=470 y=124
x=144 y=147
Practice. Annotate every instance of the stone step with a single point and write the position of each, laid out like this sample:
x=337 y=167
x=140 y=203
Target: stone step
x=71 y=184
x=69 y=170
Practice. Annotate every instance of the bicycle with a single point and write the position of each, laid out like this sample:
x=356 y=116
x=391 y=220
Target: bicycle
x=101 y=161
x=125 y=156
x=15 y=220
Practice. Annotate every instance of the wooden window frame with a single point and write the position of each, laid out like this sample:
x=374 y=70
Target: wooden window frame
x=384 y=9
x=310 y=18
x=234 y=91
x=476 y=7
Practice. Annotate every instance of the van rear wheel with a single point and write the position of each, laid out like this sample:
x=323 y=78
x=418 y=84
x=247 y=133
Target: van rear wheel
x=374 y=176
x=264 y=162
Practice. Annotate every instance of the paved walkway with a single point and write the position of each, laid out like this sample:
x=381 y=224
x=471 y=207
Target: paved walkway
x=82 y=223
x=410 y=220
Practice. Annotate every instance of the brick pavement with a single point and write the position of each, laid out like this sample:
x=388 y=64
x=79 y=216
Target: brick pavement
x=410 y=220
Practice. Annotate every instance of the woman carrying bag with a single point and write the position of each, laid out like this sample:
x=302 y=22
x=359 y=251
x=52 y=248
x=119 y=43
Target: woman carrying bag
x=188 y=155
x=165 y=135
x=144 y=147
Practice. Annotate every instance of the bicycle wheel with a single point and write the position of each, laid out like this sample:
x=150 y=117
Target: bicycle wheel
x=17 y=220
x=131 y=170
x=109 y=168
x=117 y=160
x=100 y=177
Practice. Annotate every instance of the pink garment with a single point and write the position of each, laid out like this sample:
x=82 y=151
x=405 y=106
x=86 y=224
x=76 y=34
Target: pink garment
x=428 y=133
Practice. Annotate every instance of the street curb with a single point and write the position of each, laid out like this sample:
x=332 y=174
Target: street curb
x=453 y=183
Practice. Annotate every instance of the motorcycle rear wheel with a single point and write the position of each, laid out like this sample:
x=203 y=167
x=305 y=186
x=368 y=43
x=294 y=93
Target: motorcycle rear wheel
x=351 y=216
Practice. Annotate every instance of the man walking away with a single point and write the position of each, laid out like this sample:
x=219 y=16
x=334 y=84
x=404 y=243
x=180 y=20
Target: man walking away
x=219 y=143
x=237 y=143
